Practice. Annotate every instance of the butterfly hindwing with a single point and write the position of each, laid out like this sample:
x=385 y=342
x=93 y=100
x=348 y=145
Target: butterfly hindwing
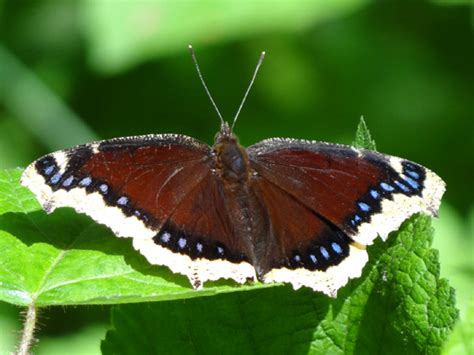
x=200 y=231
x=310 y=251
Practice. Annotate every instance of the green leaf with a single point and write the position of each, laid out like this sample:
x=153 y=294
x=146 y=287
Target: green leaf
x=66 y=258
x=399 y=305
x=363 y=139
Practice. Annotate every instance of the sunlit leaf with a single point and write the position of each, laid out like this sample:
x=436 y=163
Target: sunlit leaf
x=399 y=305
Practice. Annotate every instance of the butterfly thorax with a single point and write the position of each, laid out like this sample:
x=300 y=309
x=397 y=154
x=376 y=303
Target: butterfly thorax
x=231 y=160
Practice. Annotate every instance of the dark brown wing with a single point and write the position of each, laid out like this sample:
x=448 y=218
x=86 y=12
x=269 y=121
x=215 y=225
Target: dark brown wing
x=199 y=225
x=322 y=197
x=146 y=187
x=304 y=239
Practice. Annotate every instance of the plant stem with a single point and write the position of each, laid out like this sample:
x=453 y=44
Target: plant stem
x=27 y=336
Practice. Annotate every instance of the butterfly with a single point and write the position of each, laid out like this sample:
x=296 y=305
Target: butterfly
x=282 y=210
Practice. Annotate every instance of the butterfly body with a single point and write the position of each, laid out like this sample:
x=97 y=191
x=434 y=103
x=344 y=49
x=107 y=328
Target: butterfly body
x=235 y=178
x=282 y=210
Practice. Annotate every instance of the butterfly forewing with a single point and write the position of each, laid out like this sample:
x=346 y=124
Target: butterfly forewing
x=347 y=186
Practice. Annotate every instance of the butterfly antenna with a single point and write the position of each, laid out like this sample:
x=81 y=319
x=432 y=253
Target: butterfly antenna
x=193 y=55
x=260 y=60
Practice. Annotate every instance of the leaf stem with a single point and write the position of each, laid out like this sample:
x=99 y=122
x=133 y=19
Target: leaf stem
x=27 y=336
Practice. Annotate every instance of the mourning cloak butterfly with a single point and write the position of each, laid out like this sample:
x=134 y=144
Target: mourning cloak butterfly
x=282 y=210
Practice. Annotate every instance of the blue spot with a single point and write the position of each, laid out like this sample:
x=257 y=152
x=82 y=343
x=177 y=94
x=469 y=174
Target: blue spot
x=386 y=187
x=48 y=170
x=413 y=174
x=182 y=243
x=411 y=182
x=137 y=213
x=324 y=252
x=165 y=237
x=356 y=220
x=409 y=165
x=55 y=178
x=220 y=250
x=68 y=181
x=199 y=247
x=402 y=187
x=122 y=200
x=85 y=182
x=297 y=258
x=313 y=258
x=363 y=206
x=375 y=194
x=103 y=188
x=336 y=247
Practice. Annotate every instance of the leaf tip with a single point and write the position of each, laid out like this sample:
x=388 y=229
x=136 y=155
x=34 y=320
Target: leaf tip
x=363 y=139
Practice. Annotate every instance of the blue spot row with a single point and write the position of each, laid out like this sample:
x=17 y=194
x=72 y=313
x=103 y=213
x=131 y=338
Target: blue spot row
x=184 y=244
x=413 y=175
x=409 y=182
x=320 y=257
x=48 y=168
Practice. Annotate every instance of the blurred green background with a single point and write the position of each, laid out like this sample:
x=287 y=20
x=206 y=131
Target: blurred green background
x=74 y=71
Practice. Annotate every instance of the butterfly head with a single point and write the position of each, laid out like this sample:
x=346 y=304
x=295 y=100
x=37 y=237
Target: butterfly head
x=224 y=134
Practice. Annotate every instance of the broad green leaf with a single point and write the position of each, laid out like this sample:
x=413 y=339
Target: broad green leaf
x=363 y=139
x=66 y=258
x=121 y=34
x=399 y=305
